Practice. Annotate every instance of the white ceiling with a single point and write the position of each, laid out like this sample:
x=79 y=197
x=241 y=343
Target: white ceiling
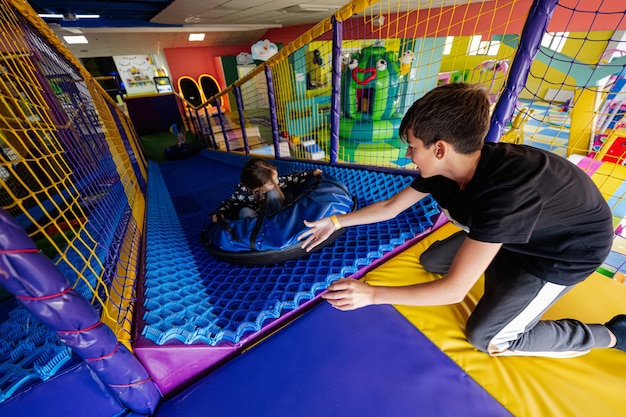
x=234 y=22
x=225 y=22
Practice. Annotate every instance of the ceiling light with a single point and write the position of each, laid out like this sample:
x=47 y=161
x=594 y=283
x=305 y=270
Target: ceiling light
x=68 y=16
x=195 y=37
x=304 y=8
x=75 y=39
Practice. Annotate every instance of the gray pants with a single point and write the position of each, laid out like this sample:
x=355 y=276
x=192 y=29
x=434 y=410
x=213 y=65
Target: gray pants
x=506 y=321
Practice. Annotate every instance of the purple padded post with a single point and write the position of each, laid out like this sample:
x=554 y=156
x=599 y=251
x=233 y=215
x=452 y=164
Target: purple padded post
x=271 y=96
x=538 y=18
x=335 y=104
x=242 y=120
x=47 y=294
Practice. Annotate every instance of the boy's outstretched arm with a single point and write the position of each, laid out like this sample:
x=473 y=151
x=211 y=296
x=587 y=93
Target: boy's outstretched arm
x=471 y=261
x=321 y=229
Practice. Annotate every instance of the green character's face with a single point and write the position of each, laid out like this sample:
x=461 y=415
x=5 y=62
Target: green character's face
x=371 y=65
x=372 y=77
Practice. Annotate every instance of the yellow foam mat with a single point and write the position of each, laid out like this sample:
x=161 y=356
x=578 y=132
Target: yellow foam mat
x=590 y=385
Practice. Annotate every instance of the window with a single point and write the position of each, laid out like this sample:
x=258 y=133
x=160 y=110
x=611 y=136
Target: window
x=447 y=47
x=479 y=47
x=554 y=41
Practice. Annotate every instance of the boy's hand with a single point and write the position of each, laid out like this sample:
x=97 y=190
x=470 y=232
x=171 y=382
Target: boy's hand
x=317 y=233
x=215 y=218
x=317 y=172
x=349 y=294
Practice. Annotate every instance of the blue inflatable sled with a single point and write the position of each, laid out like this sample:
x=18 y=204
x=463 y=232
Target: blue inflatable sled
x=273 y=239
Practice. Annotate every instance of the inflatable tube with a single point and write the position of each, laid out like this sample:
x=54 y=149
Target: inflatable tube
x=274 y=239
x=184 y=150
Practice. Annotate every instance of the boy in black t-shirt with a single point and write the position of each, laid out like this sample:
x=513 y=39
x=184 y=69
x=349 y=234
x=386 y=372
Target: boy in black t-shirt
x=533 y=223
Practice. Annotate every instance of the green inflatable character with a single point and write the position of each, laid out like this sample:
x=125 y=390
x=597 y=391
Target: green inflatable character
x=370 y=85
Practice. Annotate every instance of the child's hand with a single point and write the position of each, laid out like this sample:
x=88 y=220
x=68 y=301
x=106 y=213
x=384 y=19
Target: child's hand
x=317 y=233
x=317 y=172
x=349 y=294
x=215 y=218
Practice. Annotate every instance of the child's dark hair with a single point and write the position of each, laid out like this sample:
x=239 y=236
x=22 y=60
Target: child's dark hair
x=257 y=172
x=457 y=113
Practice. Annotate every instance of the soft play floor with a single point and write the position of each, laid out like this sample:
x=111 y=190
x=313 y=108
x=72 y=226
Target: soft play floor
x=381 y=361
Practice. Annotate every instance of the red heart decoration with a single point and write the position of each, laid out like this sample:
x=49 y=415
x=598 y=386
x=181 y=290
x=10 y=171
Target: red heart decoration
x=370 y=71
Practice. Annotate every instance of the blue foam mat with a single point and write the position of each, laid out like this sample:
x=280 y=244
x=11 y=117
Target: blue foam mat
x=368 y=363
x=193 y=298
x=76 y=392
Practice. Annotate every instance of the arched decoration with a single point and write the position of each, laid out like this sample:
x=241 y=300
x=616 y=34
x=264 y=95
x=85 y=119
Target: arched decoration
x=189 y=89
x=210 y=87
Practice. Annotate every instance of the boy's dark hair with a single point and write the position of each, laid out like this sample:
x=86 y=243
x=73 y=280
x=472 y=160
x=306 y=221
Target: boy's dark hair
x=457 y=113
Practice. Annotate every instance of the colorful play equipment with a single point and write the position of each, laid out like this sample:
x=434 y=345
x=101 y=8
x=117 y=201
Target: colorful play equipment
x=198 y=92
x=488 y=72
x=189 y=89
x=515 y=134
x=273 y=239
x=370 y=85
x=180 y=316
x=210 y=87
x=614 y=108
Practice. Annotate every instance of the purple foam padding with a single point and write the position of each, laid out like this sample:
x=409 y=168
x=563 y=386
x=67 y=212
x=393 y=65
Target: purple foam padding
x=175 y=365
x=76 y=392
x=368 y=362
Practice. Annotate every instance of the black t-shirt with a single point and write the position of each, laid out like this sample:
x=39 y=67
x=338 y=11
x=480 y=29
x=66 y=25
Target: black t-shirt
x=545 y=210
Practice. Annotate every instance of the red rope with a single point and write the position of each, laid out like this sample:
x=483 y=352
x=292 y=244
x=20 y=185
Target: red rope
x=108 y=355
x=10 y=251
x=44 y=297
x=93 y=326
x=130 y=385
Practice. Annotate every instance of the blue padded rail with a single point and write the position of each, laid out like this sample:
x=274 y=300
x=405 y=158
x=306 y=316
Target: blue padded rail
x=194 y=298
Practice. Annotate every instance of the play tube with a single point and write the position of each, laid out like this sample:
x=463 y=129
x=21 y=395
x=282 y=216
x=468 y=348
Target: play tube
x=47 y=294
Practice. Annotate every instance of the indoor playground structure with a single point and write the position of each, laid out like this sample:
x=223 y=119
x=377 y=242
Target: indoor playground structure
x=111 y=305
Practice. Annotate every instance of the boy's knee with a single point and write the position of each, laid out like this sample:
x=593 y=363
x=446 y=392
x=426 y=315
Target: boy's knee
x=477 y=337
x=430 y=264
